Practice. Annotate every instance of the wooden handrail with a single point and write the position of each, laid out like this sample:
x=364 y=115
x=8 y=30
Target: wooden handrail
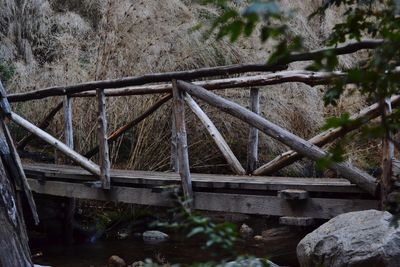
x=193 y=74
x=70 y=153
x=325 y=137
x=121 y=130
x=302 y=76
x=355 y=175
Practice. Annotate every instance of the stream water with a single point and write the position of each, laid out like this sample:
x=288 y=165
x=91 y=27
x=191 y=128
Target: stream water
x=176 y=250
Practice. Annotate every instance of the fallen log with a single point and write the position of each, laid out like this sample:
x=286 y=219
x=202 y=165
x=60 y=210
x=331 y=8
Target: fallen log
x=362 y=179
x=192 y=74
x=289 y=157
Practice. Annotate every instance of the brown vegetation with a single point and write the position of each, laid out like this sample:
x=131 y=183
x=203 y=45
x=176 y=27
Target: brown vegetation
x=53 y=42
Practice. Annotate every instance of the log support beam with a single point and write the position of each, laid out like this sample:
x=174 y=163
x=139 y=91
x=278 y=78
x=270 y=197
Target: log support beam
x=181 y=139
x=69 y=141
x=216 y=136
x=42 y=125
x=70 y=153
x=174 y=145
x=387 y=157
x=102 y=136
x=252 y=146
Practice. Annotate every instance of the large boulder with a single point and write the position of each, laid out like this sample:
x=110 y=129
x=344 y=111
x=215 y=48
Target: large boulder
x=362 y=238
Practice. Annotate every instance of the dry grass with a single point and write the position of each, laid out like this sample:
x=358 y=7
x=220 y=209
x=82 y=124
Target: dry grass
x=74 y=41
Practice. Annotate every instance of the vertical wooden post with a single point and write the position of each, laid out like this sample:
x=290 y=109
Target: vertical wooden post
x=174 y=148
x=69 y=136
x=387 y=158
x=181 y=139
x=102 y=136
x=252 y=146
x=69 y=141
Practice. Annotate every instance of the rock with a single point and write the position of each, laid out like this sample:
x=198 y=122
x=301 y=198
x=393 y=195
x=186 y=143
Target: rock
x=155 y=236
x=115 y=261
x=123 y=233
x=246 y=231
x=362 y=238
x=137 y=264
x=278 y=233
x=251 y=262
x=258 y=238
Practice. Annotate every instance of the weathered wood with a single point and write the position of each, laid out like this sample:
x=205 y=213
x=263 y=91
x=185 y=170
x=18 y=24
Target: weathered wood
x=42 y=125
x=296 y=221
x=120 y=131
x=181 y=139
x=68 y=129
x=307 y=77
x=192 y=74
x=14 y=249
x=76 y=157
x=150 y=179
x=395 y=170
x=293 y=194
x=16 y=161
x=387 y=157
x=323 y=138
x=102 y=136
x=219 y=140
x=4 y=103
x=252 y=145
x=69 y=141
x=355 y=175
x=321 y=208
x=174 y=145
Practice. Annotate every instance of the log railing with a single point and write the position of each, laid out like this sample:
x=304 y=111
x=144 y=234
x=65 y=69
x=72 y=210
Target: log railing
x=181 y=93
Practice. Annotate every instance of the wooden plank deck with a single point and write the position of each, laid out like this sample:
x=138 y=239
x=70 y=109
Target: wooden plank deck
x=228 y=193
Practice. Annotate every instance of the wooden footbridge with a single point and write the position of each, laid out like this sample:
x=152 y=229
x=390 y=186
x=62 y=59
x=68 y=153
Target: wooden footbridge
x=249 y=190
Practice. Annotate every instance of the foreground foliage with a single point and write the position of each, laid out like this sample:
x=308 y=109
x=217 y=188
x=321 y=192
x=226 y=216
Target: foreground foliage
x=376 y=76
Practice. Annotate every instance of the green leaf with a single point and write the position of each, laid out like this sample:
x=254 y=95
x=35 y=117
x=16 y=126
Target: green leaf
x=235 y=29
x=195 y=231
x=336 y=122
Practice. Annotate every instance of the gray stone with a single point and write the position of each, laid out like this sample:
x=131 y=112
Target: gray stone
x=246 y=231
x=155 y=236
x=362 y=238
x=251 y=262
